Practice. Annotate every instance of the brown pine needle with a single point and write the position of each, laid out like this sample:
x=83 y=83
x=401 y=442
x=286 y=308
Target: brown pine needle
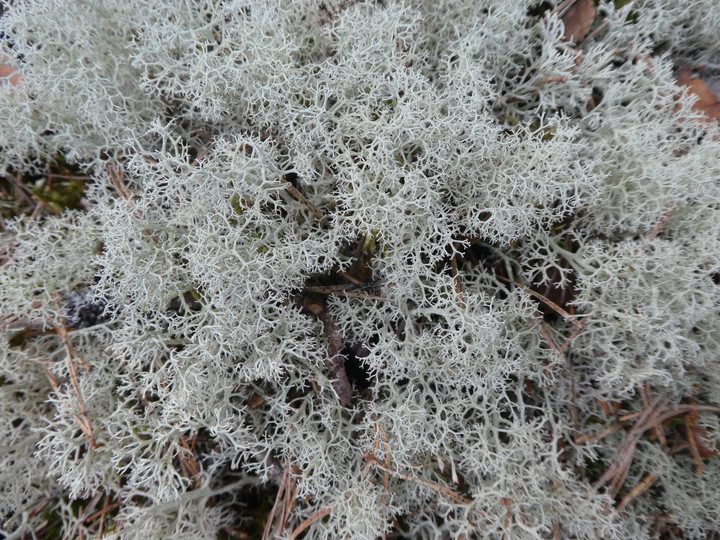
x=459 y=292
x=660 y=224
x=617 y=472
x=279 y=497
x=309 y=521
x=684 y=409
x=690 y=428
x=432 y=485
x=289 y=500
x=295 y=193
x=104 y=510
x=565 y=346
x=659 y=432
x=561 y=79
x=653 y=416
x=82 y=419
x=188 y=462
x=545 y=331
x=638 y=490
x=352 y=279
x=117 y=179
x=545 y=300
x=604 y=433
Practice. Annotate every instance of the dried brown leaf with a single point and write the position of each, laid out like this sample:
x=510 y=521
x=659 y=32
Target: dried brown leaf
x=8 y=73
x=707 y=102
x=578 y=20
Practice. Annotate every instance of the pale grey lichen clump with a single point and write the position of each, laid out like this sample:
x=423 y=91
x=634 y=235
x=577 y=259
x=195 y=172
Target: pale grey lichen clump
x=239 y=151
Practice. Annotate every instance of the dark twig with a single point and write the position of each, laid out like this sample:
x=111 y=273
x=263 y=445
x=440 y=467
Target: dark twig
x=334 y=362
